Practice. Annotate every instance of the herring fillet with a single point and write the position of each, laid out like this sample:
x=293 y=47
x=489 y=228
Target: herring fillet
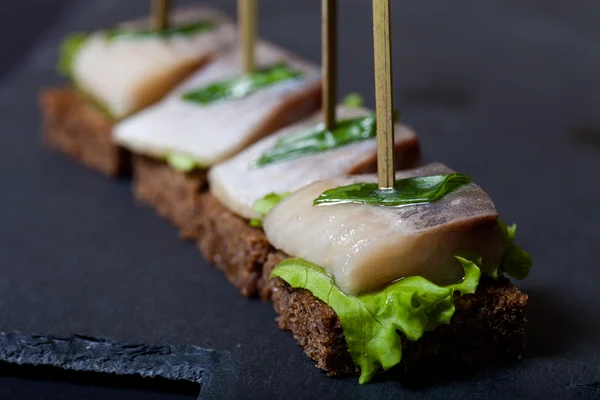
x=366 y=247
x=214 y=132
x=127 y=74
x=237 y=185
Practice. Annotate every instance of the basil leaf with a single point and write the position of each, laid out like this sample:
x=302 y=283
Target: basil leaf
x=241 y=86
x=318 y=139
x=353 y=100
x=417 y=190
x=68 y=50
x=189 y=29
x=370 y=321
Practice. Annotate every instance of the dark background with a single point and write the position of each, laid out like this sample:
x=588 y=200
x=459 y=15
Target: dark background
x=504 y=90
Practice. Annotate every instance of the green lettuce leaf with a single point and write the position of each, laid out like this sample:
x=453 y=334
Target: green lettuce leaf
x=181 y=162
x=371 y=321
x=255 y=223
x=67 y=52
x=353 y=100
x=263 y=206
x=516 y=262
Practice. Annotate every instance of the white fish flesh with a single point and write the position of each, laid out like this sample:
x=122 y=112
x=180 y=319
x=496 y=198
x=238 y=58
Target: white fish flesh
x=214 y=132
x=366 y=247
x=237 y=185
x=126 y=74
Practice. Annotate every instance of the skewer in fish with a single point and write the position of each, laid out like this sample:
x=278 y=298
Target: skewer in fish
x=337 y=141
x=372 y=266
x=213 y=115
x=118 y=71
x=132 y=66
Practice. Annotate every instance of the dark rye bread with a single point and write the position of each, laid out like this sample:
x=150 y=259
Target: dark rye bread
x=77 y=128
x=488 y=326
x=231 y=244
x=171 y=193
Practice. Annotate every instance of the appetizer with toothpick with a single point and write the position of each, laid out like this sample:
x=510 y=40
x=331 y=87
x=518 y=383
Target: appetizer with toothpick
x=371 y=261
x=117 y=72
x=367 y=279
x=406 y=268
x=339 y=140
x=212 y=116
x=243 y=188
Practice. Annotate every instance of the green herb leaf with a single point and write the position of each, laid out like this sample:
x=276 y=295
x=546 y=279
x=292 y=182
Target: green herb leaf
x=263 y=207
x=353 y=100
x=181 y=162
x=68 y=50
x=255 y=223
x=417 y=190
x=189 y=29
x=241 y=86
x=516 y=262
x=318 y=139
x=370 y=322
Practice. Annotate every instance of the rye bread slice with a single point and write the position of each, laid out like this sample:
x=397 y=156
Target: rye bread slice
x=488 y=327
x=77 y=128
x=172 y=194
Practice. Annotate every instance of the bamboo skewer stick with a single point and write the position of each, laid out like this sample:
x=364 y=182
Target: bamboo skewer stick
x=329 y=48
x=160 y=11
x=248 y=15
x=384 y=93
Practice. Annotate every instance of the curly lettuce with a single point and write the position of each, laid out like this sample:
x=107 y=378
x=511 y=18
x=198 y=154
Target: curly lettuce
x=515 y=262
x=412 y=306
x=371 y=321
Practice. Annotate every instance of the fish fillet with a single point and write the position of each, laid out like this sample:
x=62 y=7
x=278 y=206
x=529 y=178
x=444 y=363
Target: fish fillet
x=237 y=185
x=214 y=132
x=129 y=73
x=366 y=247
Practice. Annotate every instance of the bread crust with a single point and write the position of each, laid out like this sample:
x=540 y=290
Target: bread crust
x=172 y=194
x=77 y=128
x=231 y=244
x=488 y=326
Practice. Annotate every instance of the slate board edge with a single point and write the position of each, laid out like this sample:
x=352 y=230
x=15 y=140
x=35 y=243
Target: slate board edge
x=86 y=354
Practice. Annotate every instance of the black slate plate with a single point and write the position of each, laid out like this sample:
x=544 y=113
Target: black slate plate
x=506 y=91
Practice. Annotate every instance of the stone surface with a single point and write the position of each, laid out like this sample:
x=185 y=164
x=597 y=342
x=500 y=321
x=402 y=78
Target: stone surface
x=504 y=90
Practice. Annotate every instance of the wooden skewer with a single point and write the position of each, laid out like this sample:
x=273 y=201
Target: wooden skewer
x=160 y=9
x=248 y=15
x=384 y=93
x=329 y=48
